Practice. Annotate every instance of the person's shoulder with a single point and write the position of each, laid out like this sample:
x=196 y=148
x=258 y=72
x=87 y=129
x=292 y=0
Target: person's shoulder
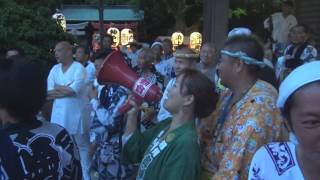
x=91 y=65
x=280 y=154
x=52 y=128
x=55 y=67
x=77 y=64
x=164 y=122
x=291 y=16
x=273 y=151
x=277 y=15
x=265 y=89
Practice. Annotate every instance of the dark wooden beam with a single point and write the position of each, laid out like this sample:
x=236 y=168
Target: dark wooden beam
x=215 y=28
x=101 y=21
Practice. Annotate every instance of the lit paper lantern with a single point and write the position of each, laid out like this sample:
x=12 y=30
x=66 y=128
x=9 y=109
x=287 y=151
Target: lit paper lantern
x=126 y=36
x=115 y=33
x=177 y=39
x=195 y=41
x=61 y=20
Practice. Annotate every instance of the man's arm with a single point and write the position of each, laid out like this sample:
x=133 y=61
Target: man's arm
x=65 y=90
x=60 y=92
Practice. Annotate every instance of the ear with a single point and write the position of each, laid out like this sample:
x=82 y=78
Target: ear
x=188 y=100
x=239 y=65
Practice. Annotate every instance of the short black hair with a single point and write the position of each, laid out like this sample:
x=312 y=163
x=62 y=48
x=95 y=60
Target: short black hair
x=249 y=45
x=23 y=88
x=203 y=90
x=86 y=49
x=101 y=54
x=110 y=37
x=305 y=27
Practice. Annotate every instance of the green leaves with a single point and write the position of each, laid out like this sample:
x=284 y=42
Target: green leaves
x=30 y=28
x=238 y=12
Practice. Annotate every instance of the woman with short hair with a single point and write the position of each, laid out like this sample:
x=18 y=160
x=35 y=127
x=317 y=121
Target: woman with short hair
x=170 y=150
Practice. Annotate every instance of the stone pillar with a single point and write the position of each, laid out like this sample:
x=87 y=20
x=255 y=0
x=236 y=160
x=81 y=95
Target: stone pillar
x=215 y=25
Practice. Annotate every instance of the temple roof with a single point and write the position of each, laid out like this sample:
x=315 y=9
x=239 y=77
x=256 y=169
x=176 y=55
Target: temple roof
x=91 y=13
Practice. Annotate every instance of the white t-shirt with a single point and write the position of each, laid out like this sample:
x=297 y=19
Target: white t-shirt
x=70 y=112
x=91 y=72
x=163 y=113
x=281 y=26
x=275 y=161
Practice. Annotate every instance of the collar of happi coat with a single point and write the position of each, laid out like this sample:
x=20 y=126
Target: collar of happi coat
x=174 y=134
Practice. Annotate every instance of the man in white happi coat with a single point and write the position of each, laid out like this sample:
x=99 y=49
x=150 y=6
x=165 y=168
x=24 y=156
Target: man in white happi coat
x=66 y=86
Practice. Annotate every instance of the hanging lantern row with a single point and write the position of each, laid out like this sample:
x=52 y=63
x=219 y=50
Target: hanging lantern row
x=123 y=38
x=195 y=40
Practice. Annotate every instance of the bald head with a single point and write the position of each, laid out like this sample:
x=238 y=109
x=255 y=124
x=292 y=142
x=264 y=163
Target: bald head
x=63 y=52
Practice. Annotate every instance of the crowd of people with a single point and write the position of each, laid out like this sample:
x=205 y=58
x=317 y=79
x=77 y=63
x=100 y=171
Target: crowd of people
x=249 y=111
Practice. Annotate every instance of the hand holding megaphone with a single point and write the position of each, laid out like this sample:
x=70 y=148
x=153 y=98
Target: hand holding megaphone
x=115 y=70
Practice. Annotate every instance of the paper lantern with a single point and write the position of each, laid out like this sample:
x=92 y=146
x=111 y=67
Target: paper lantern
x=177 y=39
x=126 y=36
x=195 y=41
x=115 y=33
x=61 y=20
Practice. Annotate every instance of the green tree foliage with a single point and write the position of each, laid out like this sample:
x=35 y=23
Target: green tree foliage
x=251 y=13
x=30 y=28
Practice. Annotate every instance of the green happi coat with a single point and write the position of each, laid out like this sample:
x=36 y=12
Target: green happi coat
x=179 y=160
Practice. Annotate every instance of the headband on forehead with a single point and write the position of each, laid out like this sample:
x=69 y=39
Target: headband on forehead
x=156 y=43
x=299 y=77
x=185 y=55
x=244 y=57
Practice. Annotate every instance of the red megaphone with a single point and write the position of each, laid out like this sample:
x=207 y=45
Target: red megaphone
x=115 y=70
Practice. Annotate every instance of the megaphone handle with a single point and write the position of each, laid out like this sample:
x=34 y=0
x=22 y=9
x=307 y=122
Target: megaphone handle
x=127 y=106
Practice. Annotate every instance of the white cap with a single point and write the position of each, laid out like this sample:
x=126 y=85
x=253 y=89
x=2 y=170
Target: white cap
x=156 y=43
x=239 y=31
x=299 y=77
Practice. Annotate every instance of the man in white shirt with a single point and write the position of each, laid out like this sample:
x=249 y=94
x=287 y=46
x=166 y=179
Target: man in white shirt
x=280 y=24
x=82 y=56
x=165 y=66
x=66 y=86
x=184 y=58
